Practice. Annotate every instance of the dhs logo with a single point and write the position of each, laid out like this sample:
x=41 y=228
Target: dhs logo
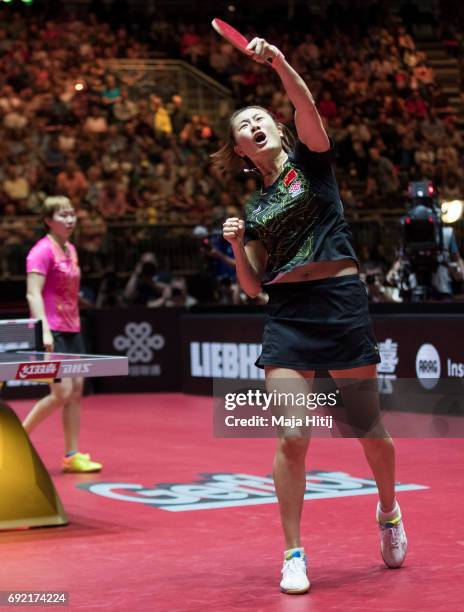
x=38 y=371
x=76 y=368
x=428 y=366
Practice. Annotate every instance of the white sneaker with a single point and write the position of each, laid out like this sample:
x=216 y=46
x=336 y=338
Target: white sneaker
x=294 y=579
x=393 y=541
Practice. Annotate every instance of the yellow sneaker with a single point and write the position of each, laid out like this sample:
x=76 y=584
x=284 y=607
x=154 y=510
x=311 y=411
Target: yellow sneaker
x=80 y=463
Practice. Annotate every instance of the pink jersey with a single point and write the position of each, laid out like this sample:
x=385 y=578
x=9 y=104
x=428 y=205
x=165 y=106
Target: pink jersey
x=62 y=279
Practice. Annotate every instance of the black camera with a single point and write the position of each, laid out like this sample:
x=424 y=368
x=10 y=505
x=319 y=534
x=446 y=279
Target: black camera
x=422 y=249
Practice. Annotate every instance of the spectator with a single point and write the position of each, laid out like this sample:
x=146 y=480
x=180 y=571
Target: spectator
x=176 y=295
x=111 y=93
x=424 y=154
x=447 y=153
x=147 y=211
x=197 y=133
x=95 y=185
x=91 y=248
x=167 y=172
x=15 y=187
x=177 y=113
x=15 y=119
x=183 y=202
x=143 y=287
x=221 y=257
x=358 y=130
x=433 y=129
x=53 y=157
x=124 y=109
x=96 y=122
x=71 y=181
x=161 y=120
x=220 y=58
x=382 y=171
x=109 y=292
x=416 y=106
x=347 y=196
x=200 y=212
x=112 y=203
x=191 y=45
x=327 y=107
x=423 y=74
x=452 y=188
x=67 y=139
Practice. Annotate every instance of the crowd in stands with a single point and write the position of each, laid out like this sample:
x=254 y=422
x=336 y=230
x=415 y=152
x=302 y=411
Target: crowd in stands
x=69 y=125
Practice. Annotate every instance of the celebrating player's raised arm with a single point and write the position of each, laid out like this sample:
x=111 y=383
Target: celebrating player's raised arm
x=307 y=120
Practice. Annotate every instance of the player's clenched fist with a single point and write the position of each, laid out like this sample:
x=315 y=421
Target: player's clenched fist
x=265 y=52
x=233 y=229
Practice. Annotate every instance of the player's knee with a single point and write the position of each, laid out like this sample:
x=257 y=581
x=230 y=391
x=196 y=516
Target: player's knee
x=377 y=439
x=62 y=392
x=77 y=390
x=294 y=448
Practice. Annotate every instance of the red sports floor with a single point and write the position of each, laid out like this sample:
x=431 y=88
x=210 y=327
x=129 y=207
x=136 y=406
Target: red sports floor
x=125 y=555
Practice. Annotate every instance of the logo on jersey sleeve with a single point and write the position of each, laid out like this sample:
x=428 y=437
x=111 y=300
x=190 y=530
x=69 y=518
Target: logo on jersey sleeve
x=295 y=189
x=290 y=177
x=293 y=183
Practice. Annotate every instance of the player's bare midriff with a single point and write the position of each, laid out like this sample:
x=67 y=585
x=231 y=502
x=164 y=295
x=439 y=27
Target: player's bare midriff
x=320 y=269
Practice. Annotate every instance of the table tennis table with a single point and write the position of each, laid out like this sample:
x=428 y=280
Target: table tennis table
x=36 y=365
x=28 y=497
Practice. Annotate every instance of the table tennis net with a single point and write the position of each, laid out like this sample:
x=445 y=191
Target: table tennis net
x=20 y=334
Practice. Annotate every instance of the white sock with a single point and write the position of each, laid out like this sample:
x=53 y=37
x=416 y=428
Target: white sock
x=384 y=517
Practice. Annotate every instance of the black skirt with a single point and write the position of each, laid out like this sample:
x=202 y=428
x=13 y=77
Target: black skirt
x=318 y=325
x=68 y=342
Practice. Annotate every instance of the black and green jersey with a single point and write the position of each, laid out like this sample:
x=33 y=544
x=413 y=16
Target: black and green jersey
x=299 y=218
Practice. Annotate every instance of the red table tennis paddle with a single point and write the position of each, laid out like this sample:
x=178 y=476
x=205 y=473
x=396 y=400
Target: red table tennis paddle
x=231 y=35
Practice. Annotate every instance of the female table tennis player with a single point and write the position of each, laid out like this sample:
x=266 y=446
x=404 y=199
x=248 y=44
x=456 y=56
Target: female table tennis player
x=53 y=277
x=294 y=240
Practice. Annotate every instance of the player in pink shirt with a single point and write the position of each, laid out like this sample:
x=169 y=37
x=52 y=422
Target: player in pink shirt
x=53 y=279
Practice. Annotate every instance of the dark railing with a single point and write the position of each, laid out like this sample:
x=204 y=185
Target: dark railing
x=175 y=246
